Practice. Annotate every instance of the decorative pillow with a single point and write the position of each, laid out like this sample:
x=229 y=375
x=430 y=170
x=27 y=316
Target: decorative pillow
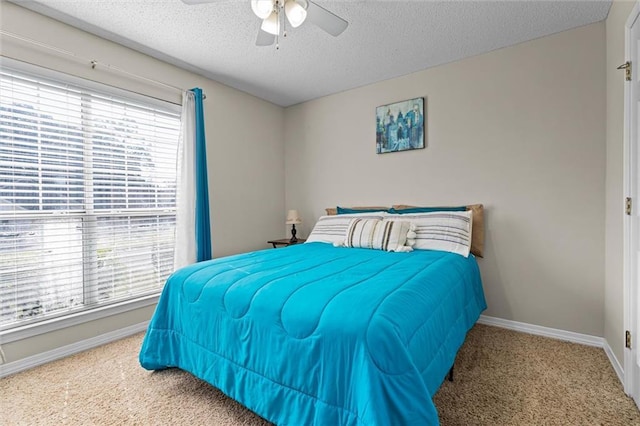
x=477 y=236
x=333 y=229
x=425 y=210
x=446 y=231
x=334 y=210
x=389 y=235
x=348 y=210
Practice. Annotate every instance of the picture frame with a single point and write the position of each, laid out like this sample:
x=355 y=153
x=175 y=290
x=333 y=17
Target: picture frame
x=400 y=126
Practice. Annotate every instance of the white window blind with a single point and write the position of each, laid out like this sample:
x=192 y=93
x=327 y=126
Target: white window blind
x=87 y=196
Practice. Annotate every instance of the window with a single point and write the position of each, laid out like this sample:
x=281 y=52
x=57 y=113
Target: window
x=87 y=195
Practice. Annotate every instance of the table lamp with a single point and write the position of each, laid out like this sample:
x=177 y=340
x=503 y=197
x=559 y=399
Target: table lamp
x=293 y=219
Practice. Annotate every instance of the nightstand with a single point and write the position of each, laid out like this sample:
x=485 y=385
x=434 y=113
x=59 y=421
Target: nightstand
x=285 y=242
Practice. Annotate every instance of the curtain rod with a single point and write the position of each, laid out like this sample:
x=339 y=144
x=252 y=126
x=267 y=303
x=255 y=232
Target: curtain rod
x=92 y=62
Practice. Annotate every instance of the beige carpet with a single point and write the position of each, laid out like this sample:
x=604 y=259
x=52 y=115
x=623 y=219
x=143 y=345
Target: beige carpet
x=501 y=378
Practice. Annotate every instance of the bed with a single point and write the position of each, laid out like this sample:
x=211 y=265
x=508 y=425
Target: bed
x=315 y=334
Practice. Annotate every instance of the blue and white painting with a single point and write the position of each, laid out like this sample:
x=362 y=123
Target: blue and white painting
x=400 y=126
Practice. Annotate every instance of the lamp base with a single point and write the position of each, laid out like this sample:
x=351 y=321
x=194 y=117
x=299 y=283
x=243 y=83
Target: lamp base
x=293 y=239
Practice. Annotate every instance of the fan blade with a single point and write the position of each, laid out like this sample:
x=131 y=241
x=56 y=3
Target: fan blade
x=264 y=38
x=328 y=21
x=190 y=2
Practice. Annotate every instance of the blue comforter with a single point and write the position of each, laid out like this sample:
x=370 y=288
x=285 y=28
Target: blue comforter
x=320 y=335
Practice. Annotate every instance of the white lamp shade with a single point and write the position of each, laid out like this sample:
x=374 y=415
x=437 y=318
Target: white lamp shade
x=293 y=218
x=262 y=8
x=271 y=25
x=296 y=14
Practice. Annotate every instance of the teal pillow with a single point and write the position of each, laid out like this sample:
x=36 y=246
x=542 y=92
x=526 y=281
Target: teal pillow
x=426 y=210
x=345 y=210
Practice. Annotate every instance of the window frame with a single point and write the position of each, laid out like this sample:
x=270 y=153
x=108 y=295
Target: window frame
x=85 y=314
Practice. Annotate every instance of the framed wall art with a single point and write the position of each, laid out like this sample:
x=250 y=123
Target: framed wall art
x=400 y=126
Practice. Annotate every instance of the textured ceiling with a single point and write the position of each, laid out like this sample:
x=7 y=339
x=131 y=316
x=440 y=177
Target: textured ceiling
x=385 y=39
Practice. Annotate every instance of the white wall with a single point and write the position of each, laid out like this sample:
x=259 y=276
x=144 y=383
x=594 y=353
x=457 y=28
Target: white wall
x=246 y=162
x=613 y=295
x=521 y=130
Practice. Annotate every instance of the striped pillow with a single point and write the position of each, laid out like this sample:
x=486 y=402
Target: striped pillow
x=446 y=231
x=333 y=229
x=377 y=234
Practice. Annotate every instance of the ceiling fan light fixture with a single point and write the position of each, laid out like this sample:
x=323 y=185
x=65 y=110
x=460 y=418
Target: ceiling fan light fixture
x=296 y=13
x=262 y=8
x=271 y=24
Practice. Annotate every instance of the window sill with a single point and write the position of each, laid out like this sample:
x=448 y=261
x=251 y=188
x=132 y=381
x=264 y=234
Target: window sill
x=81 y=317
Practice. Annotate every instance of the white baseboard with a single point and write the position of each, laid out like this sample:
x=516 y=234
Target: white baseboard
x=617 y=367
x=555 y=333
x=74 y=348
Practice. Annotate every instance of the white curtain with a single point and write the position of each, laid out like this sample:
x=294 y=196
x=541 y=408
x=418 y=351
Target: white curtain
x=185 y=245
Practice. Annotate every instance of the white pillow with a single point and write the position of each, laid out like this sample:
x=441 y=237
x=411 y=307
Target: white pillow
x=333 y=229
x=446 y=231
x=376 y=234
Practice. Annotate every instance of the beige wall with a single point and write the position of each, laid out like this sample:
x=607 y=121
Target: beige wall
x=239 y=155
x=613 y=294
x=521 y=130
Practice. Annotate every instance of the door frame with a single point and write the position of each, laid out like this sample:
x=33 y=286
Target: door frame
x=630 y=188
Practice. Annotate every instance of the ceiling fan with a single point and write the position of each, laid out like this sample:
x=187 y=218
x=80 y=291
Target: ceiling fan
x=273 y=12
